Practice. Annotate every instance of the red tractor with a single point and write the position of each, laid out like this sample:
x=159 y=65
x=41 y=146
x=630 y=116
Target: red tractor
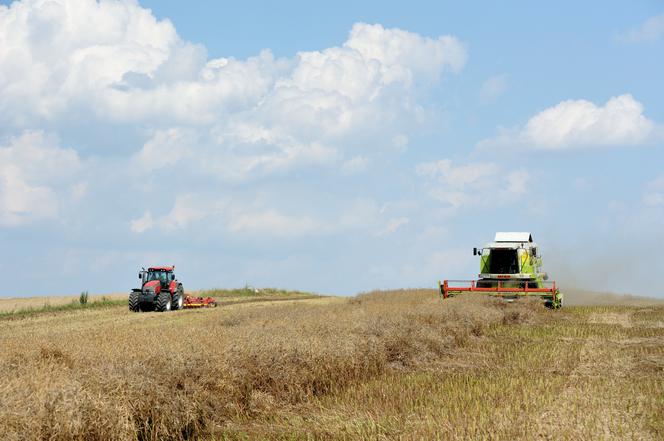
x=160 y=291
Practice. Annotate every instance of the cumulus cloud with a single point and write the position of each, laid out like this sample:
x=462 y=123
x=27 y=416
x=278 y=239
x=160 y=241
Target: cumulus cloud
x=483 y=184
x=580 y=124
x=235 y=152
x=227 y=214
x=650 y=30
x=114 y=62
x=143 y=223
x=235 y=217
x=273 y=223
x=190 y=209
x=165 y=148
x=36 y=176
x=54 y=55
x=187 y=210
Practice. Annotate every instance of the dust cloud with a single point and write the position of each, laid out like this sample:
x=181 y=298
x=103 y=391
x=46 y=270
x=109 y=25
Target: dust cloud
x=580 y=297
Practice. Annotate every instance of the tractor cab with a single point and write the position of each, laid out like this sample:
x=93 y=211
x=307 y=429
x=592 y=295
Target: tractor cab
x=164 y=275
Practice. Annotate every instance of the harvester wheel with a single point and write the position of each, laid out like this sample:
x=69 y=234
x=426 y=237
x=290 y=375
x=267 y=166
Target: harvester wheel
x=133 y=302
x=164 y=301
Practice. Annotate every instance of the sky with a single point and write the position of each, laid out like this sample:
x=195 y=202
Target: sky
x=336 y=148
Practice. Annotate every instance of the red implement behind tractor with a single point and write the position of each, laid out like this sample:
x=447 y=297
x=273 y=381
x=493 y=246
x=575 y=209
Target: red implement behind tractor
x=199 y=302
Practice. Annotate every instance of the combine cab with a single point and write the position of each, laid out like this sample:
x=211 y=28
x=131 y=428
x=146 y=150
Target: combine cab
x=510 y=267
x=160 y=291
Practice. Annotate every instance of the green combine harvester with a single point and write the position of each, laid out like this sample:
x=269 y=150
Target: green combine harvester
x=510 y=268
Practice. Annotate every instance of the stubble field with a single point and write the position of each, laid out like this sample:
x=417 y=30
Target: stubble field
x=385 y=365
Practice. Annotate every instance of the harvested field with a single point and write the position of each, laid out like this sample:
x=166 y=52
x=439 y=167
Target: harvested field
x=385 y=365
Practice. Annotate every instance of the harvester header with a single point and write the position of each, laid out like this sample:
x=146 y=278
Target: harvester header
x=510 y=267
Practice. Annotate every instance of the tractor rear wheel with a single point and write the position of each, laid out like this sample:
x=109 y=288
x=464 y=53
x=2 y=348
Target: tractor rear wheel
x=178 y=298
x=164 y=301
x=133 y=302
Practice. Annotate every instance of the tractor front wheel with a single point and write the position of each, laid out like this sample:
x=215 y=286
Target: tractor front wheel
x=164 y=301
x=133 y=302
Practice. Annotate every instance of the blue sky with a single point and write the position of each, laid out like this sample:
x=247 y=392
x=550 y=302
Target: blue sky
x=337 y=148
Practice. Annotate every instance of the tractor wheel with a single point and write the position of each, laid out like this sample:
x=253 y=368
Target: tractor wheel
x=178 y=299
x=133 y=302
x=164 y=302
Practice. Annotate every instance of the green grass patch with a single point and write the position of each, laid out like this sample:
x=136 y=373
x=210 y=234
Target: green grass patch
x=74 y=305
x=249 y=291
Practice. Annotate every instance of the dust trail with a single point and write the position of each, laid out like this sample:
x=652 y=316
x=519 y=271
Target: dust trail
x=626 y=264
x=580 y=297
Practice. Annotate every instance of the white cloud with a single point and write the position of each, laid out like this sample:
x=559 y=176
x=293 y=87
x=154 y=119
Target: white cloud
x=483 y=184
x=143 y=223
x=580 y=123
x=221 y=215
x=55 y=53
x=493 y=88
x=33 y=170
x=393 y=225
x=650 y=30
x=165 y=148
x=459 y=176
x=187 y=210
x=356 y=164
x=273 y=223
x=400 y=141
x=63 y=60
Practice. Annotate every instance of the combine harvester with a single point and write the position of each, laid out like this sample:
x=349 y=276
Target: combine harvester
x=161 y=291
x=510 y=268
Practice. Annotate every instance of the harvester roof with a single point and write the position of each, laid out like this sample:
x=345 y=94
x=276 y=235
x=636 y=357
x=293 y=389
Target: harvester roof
x=513 y=237
x=512 y=240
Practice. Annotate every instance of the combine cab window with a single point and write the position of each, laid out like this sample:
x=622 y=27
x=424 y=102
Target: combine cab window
x=503 y=262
